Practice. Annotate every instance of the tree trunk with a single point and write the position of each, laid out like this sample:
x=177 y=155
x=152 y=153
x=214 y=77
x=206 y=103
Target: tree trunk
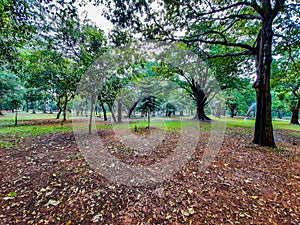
x=263 y=133
x=232 y=108
x=131 y=108
x=112 y=113
x=104 y=111
x=200 y=114
x=231 y=112
x=16 y=118
x=120 y=106
x=65 y=108
x=33 y=107
x=59 y=107
x=295 y=117
x=27 y=106
x=91 y=113
x=295 y=113
x=200 y=99
x=44 y=107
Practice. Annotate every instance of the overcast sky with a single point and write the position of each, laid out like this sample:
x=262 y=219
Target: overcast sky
x=94 y=14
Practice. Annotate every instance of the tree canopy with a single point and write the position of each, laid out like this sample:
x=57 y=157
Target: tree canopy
x=235 y=28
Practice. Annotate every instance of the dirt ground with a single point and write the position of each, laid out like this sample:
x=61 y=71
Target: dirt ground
x=48 y=181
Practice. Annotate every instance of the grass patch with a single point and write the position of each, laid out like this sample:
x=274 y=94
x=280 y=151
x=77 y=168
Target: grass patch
x=250 y=123
x=279 y=149
x=30 y=131
x=6 y=144
x=73 y=157
x=166 y=125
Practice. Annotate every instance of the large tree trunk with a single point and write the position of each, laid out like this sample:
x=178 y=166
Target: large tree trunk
x=200 y=114
x=263 y=133
x=295 y=113
x=200 y=102
x=200 y=99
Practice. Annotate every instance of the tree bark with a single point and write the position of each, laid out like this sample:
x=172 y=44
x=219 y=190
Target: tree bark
x=27 y=106
x=59 y=107
x=104 y=111
x=91 y=113
x=200 y=114
x=16 y=118
x=295 y=113
x=200 y=98
x=112 y=113
x=65 y=108
x=263 y=133
x=200 y=102
x=120 y=106
x=131 y=108
x=33 y=107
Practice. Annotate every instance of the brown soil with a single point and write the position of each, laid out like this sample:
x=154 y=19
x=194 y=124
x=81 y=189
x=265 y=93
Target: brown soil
x=245 y=184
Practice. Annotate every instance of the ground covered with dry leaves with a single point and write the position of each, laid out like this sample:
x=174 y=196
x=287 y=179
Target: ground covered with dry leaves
x=47 y=181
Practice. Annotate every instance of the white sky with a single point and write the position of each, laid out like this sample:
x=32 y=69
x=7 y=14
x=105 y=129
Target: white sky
x=94 y=14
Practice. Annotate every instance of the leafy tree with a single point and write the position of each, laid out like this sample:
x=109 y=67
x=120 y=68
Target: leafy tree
x=246 y=28
x=170 y=109
x=17 y=27
x=278 y=106
x=15 y=101
x=239 y=96
x=191 y=74
x=9 y=86
x=286 y=82
x=148 y=105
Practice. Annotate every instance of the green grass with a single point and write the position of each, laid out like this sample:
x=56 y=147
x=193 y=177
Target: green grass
x=8 y=116
x=250 y=123
x=30 y=131
x=6 y=144
x=245 y=125
x=167 y=125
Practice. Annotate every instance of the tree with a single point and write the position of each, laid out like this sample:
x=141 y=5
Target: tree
x=148 y=105
x=15 y=102
x=243 y=28
x=286 y=83
x=183 y=67
x=9 y=86
x=279 y=107
x=17 y=27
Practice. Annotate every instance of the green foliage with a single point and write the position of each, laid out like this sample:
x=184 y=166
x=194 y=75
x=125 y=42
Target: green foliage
x=12 y=194
x=148 y=104
x=286 y=84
